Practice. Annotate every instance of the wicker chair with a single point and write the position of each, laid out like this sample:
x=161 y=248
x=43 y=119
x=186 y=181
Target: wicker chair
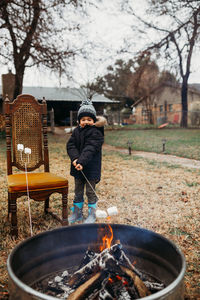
x=26 y=124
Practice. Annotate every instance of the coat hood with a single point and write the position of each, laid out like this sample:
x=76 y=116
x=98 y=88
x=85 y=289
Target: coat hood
x=100 y=121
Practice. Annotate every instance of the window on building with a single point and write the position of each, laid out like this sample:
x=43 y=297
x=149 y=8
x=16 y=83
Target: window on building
x=161 y=108
x=170 y=107
x=144 y=112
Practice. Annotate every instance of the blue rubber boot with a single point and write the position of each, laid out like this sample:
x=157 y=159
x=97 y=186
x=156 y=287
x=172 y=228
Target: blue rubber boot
x=77 y=214
x=91 y=214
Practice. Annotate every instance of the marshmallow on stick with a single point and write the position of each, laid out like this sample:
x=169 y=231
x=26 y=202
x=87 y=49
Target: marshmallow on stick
x=20 y=147
x=27 y=150
x=112 y=211
x=101 y=213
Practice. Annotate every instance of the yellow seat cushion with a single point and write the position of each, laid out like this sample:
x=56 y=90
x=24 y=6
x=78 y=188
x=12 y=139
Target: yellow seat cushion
x=36 y=181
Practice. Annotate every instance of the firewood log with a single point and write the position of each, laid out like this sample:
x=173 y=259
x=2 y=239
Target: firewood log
x=92 y=267
x=90 y=288
x=80 y=292
x=104 y=295
x=124 y=260
x=138 y=283
x=120 y=292
x=113 y=261
x=89 y=255
x=154 y=286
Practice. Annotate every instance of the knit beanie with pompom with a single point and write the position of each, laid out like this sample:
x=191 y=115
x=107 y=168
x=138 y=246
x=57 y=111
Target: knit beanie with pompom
x=87 y=110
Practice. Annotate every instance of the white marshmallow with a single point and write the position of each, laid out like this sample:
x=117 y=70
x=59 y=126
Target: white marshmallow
x=27 y=150
x=20 y=147
x=101 y=213
x=112 y=211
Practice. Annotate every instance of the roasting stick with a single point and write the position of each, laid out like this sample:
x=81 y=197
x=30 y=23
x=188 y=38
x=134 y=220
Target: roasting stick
x=28 y=152
x=91 y=187
x=29 y=204
x=111 y=211
x=20 y=148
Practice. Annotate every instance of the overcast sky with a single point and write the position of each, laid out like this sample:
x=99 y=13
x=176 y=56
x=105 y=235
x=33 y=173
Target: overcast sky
x=109 y=30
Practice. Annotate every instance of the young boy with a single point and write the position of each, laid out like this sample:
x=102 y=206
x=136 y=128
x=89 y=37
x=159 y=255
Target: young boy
x=84 y=149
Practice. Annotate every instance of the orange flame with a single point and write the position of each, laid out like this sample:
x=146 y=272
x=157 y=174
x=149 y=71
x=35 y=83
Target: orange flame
x=107 y=239
x=110 y=280
x=124 y=281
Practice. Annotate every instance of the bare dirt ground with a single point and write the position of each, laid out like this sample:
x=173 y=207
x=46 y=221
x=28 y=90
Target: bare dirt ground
x=152 y=191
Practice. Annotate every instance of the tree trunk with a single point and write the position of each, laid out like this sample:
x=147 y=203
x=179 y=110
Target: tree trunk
x=150 y=117
x=184 y=100
x=18 y=81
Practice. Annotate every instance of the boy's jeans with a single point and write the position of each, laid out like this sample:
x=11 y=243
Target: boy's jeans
x=79 y=191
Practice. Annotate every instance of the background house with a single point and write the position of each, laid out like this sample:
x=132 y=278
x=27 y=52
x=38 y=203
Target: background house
x=65 y=102
x=166 y=105
x=61 y=101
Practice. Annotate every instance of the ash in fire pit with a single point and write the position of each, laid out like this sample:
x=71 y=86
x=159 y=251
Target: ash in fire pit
x=104 y=273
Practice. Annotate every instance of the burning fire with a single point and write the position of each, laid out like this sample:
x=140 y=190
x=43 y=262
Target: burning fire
x=124 y=281
x=110 y=280
x=107 y=239
x=119 y=278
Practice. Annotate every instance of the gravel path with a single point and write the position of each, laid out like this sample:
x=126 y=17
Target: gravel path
x=172 y=159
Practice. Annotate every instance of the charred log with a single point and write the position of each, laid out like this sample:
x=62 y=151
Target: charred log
x=90 y=279
x=92 y=267
x=104 y=295
x=89 y=256
x=119 y=291
x=90 y=288
x=108 y=275
x=137 y=282
x=154 y=286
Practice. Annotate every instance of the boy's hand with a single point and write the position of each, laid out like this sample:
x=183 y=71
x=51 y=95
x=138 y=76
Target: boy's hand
x=79 y=167
x=74 y=162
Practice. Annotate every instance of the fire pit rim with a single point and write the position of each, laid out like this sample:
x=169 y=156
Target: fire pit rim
x=167 y=290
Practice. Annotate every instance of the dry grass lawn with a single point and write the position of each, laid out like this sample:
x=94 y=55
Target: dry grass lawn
x=158 y=196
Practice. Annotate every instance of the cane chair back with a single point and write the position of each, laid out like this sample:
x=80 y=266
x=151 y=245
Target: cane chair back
x=26 y=130
x=26 y=124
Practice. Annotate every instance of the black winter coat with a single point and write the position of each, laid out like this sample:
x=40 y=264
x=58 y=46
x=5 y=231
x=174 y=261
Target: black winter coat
x=85 y=145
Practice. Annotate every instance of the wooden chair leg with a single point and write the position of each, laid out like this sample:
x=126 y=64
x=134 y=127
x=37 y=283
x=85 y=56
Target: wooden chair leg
x=13 y=210
x=46 y=205
x=65 y=208
x=8 y=206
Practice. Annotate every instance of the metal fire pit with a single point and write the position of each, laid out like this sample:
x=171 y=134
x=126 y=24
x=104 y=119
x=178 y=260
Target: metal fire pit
x=63 y=248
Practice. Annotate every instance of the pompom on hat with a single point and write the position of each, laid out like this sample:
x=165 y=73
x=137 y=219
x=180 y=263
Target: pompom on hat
x=87 y=110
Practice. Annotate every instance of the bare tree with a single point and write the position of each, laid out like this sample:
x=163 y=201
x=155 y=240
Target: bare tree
x=84 y=92
x=114 y=83
x=144 y=81
x=180 y=29
x=31 y=33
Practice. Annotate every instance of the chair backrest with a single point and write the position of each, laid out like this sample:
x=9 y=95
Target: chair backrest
x=26 y=123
